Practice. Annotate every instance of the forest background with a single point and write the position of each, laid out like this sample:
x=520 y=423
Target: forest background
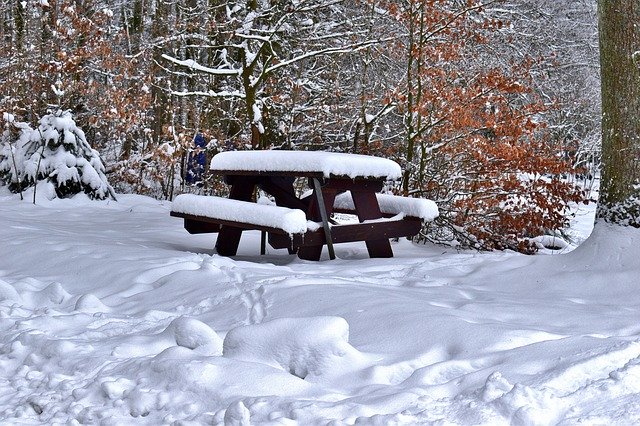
x=491 y=108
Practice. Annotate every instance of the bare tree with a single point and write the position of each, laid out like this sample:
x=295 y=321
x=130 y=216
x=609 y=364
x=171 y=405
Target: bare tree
x=260 y=43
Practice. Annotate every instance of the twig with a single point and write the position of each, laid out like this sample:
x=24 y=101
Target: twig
x=35 y=181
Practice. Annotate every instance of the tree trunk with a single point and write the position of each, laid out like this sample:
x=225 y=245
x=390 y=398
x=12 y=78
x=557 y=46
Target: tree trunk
x=410 y=103
x=136 y=24
x=620 y=65
x=19 y=24
x=161 y=104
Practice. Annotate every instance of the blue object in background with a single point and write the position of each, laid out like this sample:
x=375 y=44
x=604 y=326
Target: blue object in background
x=196 y=160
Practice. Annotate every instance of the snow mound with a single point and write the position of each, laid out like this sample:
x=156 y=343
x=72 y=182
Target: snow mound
x=117 y=388
x=7 y=292
x=550 y=242
x=186 y=335
x=91 y=304
x=193 y=334
x=522 y=404
x=237 y=415
x=305 y=347
x=32 y=294
x=52 y=295
x=611 y=248
x=45 y=192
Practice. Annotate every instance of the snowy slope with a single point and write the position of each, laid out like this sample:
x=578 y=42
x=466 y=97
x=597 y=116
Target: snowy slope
x=111 y=312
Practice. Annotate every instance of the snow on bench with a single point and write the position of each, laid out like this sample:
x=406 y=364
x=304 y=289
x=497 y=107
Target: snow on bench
x=291 y=221
x=394 y=204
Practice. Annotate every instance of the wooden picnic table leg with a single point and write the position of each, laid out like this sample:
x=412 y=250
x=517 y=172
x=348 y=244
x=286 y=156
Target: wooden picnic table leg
x=282 y=190
x=328 y=196
x=367 y=208
x=322 y=208
x=229 y=236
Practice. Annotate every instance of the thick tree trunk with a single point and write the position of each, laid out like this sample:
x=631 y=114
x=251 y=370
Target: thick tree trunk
x=620 y=64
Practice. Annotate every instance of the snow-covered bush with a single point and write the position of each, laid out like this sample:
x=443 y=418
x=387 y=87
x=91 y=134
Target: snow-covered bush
x=56 y=152
x=14 y=142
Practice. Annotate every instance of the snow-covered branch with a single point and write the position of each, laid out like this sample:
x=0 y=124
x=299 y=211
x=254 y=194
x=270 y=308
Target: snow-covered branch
x=191 y=64
x=329 y=51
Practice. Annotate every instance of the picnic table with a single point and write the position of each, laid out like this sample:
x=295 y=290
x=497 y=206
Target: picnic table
x=338 y=182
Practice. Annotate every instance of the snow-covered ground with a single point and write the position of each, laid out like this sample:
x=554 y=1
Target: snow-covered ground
x=111 y=313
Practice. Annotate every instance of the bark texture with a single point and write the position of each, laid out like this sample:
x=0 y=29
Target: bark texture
x=620 y=67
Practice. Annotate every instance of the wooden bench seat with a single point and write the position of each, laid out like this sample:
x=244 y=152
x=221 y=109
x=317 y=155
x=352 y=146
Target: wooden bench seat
x=289 y=228
x=346 y=233
x=391 y=205
x=205 y=214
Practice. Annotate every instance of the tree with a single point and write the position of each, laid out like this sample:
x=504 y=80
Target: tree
x=56 y=152
x=15 y=137
x=563 y=36
x=475 y=136
x=420 y=81
x=259 y=48
x=620 y=68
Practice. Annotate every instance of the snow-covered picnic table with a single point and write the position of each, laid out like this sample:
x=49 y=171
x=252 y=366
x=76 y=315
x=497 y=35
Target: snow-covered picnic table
x=345 y=183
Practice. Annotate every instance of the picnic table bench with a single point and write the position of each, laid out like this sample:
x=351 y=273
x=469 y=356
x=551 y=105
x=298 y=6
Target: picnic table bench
x=340 y=183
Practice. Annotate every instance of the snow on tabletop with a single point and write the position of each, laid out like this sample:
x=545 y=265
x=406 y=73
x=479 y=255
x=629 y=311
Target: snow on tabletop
x=327 y=163
x=394 y=204
x=292 y=221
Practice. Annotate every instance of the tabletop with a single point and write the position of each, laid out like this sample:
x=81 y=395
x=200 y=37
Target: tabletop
x=305 y=163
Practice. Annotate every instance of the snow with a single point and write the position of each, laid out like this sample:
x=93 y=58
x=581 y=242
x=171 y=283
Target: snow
x=327 y=163
x=306 y=22
x=393 y=204
x=56 y=151
x=292 y=221
x=190 y=63
x=193 y=334
x=369 y=118
x=550 y=241
x=111 y=313
x=308 y=348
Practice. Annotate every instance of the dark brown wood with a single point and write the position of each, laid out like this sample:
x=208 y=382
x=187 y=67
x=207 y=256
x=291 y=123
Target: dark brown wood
x=324 y=216
x=229 y=236
x=310 y=252
x=227 y=223
x=342 y=184
x=353 y=212
x=313 y=252
x=199 y=227
x=406 y=227
x=367 y=208
x=309 y=245
x=279 y=241
x=283 y=192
